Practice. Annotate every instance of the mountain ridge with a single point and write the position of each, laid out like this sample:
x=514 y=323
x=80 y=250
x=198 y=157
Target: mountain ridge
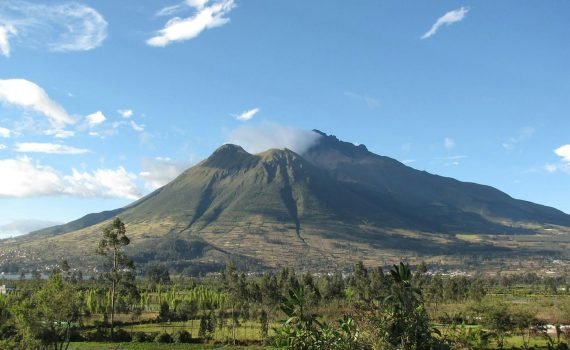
x=334 y=203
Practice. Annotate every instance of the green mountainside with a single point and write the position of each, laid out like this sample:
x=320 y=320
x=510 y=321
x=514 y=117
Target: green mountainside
x=333 y=205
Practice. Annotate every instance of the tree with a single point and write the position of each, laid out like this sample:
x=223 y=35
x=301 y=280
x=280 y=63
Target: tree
x=46 y=319
x=232 y=285
x=500 y=321
x=112 y=247
x=302 y=330
x=157 y=274
x=400 y=321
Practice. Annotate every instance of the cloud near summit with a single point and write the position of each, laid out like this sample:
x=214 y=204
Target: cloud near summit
x=259 y=138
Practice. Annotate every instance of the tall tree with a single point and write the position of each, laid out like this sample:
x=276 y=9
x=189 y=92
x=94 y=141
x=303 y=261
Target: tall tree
x=112 y=246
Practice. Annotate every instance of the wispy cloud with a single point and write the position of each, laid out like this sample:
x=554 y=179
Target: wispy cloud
x=125 y=113
x=170 y=10
x=157 y=172
x=6 y=31
x=22 y=177
x=2 y=147
x=551 y=168
x=262 y=137
x=246 y=115
x=448 y=143
x=5 y=133
x=521 y=136
x=26 y=94
x=448 y=19
x=59 y=133
x=371 y=102
x=48 y=148
x=95 y=118
x=62 y=27
x=455 y=157
x=137 y=127
x=181 y=29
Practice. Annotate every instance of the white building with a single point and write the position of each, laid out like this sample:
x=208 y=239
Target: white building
x=4 y=289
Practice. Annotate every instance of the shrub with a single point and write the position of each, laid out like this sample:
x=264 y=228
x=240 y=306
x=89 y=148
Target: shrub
x=121 y=335
x=139 y=337
x=163 y=338
x=96 y=335
x=182 y=336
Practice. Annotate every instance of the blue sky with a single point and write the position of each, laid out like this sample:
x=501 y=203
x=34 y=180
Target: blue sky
x=103 y=101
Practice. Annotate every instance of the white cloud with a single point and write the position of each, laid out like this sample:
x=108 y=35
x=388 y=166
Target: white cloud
x=448 y=143
x=60 y=134
x=20 y=227
x=136 y=127
x=5 y=133
x=26 y=94
x=522 y=136
x=95 y=118
x=197 y=4
x=205 y=17
x=62 y=27
x=48 y=148
x=157 y=172
x=6 y=31
x=563 y=152
x=125 y=113
x=2 y=146
x=564 y=164
x=448 y=19
x=262 y=137
x=21 y=177
x=246 y=115
x=371 y=102
x=102 y=183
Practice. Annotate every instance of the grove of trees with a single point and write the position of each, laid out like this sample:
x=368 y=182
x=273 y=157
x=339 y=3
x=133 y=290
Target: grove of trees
x=400 y=307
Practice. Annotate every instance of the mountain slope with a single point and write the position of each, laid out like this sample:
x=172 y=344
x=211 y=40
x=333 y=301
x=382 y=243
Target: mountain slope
x=334 y=204
x=445 y=204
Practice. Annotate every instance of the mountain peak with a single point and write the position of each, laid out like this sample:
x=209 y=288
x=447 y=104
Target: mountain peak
x=278 y=153
x=331 y=141
x=229 y=147
x=230 y=156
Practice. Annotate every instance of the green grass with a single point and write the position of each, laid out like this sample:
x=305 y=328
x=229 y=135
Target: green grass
x=155 y=346
x=246 y=331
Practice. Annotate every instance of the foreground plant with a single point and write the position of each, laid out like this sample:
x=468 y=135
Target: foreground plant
x=303 y=331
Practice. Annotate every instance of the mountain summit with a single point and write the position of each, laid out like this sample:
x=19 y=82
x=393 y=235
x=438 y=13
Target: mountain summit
x=334 y=204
